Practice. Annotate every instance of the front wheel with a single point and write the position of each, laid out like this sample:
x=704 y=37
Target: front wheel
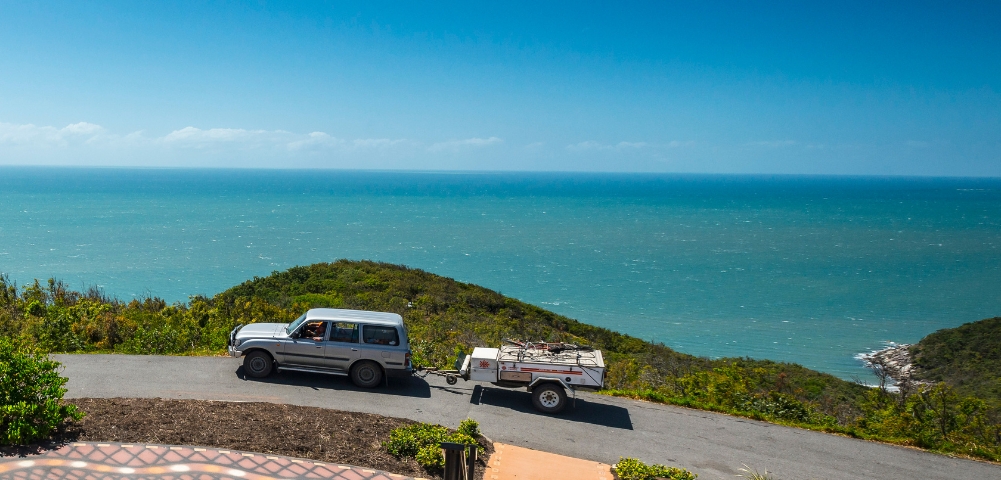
x=366 y=375
x=257 y=364
x=549 y=398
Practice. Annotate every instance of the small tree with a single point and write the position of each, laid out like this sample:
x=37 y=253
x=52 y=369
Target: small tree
x=30 y=394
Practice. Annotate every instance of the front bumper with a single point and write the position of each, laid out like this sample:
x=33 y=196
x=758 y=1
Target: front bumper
x=233 y=352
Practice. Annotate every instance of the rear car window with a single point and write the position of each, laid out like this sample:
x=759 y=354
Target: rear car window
x=381 y=335
x=344 y=332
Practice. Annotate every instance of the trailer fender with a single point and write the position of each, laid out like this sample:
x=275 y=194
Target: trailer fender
x=551 y=380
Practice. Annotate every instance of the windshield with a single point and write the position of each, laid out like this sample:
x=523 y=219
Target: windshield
x=294 y=325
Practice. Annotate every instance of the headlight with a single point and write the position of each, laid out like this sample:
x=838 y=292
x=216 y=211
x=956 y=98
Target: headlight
x=237 y=343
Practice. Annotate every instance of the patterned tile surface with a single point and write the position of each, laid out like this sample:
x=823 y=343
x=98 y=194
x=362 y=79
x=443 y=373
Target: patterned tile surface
x=98 y=461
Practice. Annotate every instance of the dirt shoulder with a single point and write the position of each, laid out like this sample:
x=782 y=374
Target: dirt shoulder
x=325 y=435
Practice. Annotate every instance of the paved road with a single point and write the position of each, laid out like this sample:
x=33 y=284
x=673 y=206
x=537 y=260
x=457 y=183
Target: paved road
x=598 y=428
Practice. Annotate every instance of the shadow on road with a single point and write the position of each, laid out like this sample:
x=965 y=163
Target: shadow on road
x=584 y=411
x=404 y=386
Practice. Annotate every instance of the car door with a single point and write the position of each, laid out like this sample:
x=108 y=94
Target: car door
x=341 y=348
x=306 y=351
x=382 y=344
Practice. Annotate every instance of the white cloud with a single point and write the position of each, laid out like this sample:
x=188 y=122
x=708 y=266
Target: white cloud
x=771 y=143
x=29 y=134
x=590 y=145
x=455 y=145
x=377 y=142
x=82 y=128
x=587 y=145
x=90 y=144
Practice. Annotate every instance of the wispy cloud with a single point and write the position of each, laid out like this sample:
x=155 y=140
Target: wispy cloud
x=771 y=143
x=590 y=145
x=29 y=134
x=455 y=145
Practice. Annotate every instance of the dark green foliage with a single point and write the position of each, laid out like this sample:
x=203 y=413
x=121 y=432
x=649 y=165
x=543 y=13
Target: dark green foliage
x=30 y=394
x=632 y=469
x=422 y=441
x=967 y=357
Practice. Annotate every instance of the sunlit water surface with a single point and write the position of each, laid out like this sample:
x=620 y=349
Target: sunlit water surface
x=811 y=270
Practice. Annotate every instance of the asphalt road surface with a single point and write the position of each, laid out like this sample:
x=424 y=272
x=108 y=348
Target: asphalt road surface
x=597 y=427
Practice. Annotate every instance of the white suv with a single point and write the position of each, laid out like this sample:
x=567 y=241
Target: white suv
x=368 y=346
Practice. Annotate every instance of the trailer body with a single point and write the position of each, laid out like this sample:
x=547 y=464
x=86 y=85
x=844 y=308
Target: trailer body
x=552 y=369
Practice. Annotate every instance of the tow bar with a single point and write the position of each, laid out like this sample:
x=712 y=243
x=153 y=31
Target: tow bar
x=451 y=376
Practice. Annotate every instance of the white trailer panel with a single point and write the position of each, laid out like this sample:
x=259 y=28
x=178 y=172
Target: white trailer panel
x=483 y=364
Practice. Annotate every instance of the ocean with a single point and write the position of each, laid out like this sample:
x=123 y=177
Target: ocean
x=806 y=269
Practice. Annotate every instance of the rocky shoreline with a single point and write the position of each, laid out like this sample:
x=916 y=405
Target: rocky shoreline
x=894 y=362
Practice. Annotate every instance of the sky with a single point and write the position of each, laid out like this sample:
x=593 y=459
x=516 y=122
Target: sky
x=845 y=88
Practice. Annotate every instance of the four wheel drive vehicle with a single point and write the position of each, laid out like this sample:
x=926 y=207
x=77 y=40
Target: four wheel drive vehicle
x=367 y=346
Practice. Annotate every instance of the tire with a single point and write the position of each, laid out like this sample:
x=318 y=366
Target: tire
x=549 y=398
x=258 y=364
x=366 y=374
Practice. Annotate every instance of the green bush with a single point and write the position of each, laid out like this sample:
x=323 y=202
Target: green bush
x=30 y=394
x=470 y=427
x=422 y=441
x=632 y=469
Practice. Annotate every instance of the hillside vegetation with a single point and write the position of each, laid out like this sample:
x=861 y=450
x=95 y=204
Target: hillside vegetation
x=446 y=318
x=967 y=357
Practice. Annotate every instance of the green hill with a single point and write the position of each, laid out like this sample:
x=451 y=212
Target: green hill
x=967 y=357
x=445 y=318
x=443 y=315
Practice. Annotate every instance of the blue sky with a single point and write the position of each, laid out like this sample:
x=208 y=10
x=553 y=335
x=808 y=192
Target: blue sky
x=907 y=88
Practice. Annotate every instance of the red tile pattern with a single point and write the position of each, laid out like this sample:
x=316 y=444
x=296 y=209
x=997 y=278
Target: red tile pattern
x=99 y=461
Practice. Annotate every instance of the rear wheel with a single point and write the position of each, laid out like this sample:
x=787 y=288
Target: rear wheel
x=549 y=398
x=366 y=374
x=257 y=364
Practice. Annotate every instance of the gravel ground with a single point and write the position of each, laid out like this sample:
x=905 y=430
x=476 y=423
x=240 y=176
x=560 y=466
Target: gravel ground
x=306 y=432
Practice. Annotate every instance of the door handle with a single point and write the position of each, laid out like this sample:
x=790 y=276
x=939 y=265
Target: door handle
x=354 y=349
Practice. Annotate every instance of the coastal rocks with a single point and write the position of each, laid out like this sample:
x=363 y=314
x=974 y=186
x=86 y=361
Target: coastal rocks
x=893 y=362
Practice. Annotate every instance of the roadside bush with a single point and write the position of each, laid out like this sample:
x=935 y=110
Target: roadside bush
x=632 y=469
x=422 y=441
x=470 y=427
x=30 y=394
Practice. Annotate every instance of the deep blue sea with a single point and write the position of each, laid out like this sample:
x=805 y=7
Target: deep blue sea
x=812 y=270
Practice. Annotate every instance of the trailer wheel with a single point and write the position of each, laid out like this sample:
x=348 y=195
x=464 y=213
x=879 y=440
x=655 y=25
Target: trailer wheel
x=257 y=364
x=549 y=398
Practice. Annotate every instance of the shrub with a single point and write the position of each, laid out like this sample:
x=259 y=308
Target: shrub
x=470 y=427
x=632 y=469
x=422 y=441
x=30 y=394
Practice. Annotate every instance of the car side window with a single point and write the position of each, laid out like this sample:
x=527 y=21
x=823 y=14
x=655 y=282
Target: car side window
x=381 y=335
x=314 y=330
x=344 y=332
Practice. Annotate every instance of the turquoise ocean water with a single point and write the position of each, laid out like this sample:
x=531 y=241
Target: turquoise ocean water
x=812 y=270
